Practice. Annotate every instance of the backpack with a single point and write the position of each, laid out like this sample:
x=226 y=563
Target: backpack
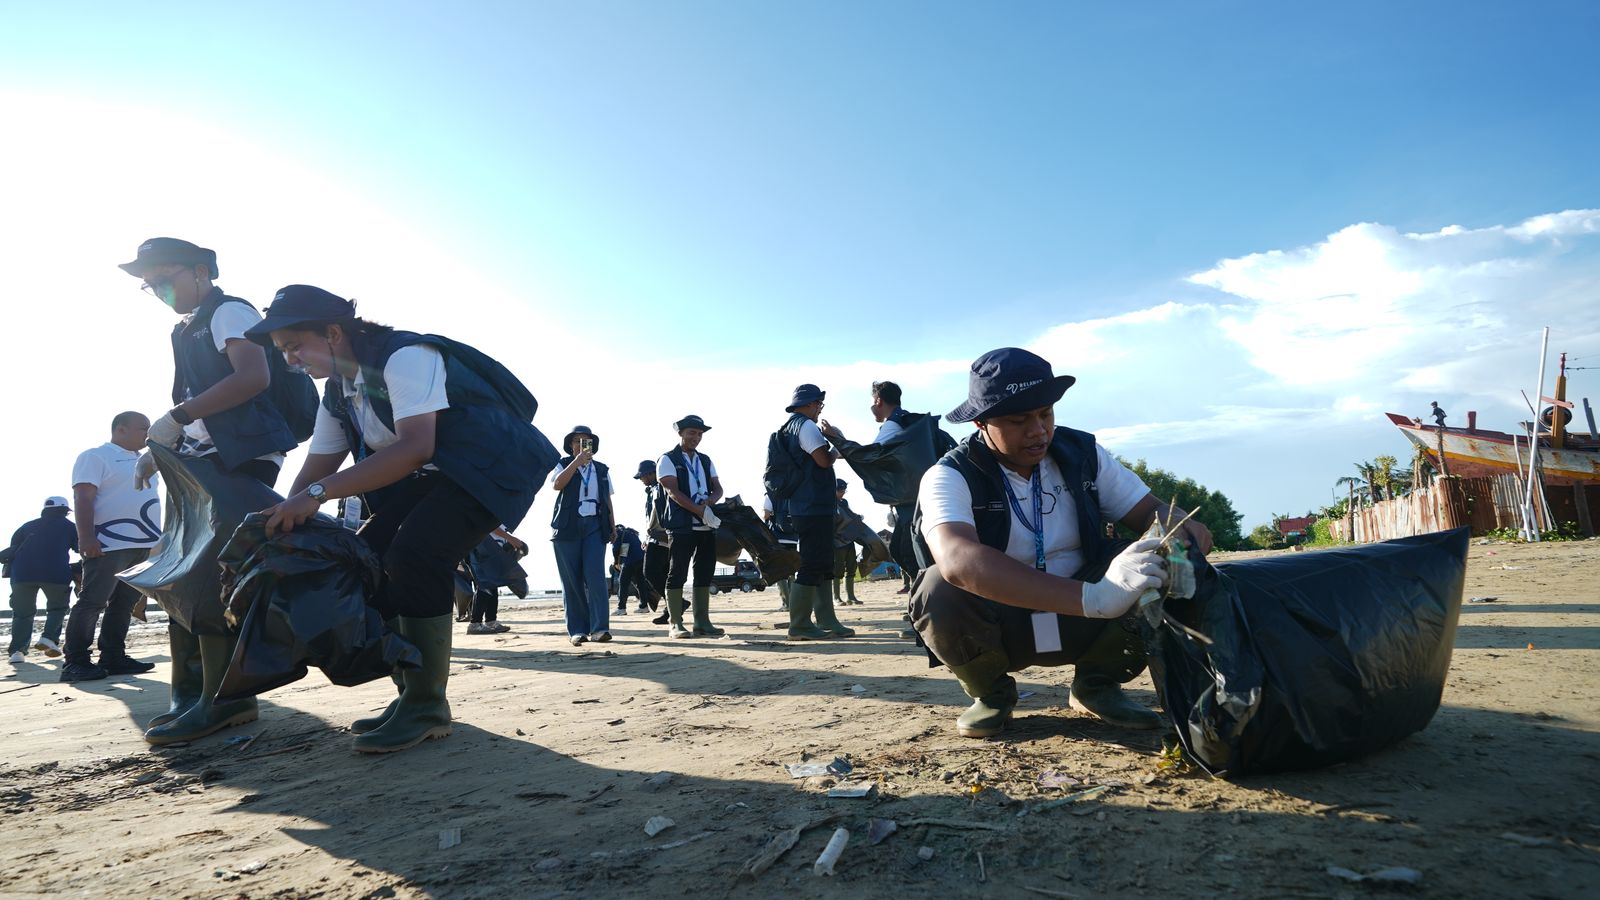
x=942 y=442
x=785 y=473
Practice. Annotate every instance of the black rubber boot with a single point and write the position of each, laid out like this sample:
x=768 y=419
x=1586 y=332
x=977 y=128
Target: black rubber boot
x=826 y=619
x=422 y=711
x=206 y=716
x=1115 y=658
x=702 y=614
x=993 y=693
x=801 y=599
x=187 y=682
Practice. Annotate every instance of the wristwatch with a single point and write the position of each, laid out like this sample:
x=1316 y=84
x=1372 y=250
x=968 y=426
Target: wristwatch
x=317 y=492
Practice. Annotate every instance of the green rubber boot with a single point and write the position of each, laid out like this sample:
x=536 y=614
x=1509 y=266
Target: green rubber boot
x=801 y=598
x=826 y=619
x=187 y=682
x=993 y=693
x=362 y=726
x=206 y=716
x=702 y=614
x=675 y=614
x=1097 y=678
x=784 y=587
x=850 y=587
x=422 y=712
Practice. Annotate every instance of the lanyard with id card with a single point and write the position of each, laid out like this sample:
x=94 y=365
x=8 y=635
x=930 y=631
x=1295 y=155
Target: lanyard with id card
x=587 y=506
x=1046 y=628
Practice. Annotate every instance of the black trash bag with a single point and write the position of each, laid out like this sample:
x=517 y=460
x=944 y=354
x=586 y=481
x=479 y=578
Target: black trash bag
x=495 y=565
x=892 y=470
x=463 y=592
x=853 y=529
x=204 y=505
x=742 y=529
x=300 y=599
x=1316 y=658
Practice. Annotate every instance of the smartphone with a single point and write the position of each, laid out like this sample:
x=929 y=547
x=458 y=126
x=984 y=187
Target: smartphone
x=587 y=444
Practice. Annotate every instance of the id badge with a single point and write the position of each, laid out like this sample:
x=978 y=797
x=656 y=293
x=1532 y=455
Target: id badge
x=586 y=507
x=1046 y=633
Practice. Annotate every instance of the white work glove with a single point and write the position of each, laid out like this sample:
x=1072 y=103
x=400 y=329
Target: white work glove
x=710 y=518
x=144 y=470
x=166 y=431
x=1138 y=568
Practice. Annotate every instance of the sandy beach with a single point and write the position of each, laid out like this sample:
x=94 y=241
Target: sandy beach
x=561 y=755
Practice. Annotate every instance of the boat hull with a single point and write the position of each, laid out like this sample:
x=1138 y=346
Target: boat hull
x=1478 y=453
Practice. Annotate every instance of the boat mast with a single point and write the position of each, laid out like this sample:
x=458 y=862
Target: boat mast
x=1530 y=526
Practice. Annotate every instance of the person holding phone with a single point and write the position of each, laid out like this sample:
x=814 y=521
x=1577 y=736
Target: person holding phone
x=585 y=526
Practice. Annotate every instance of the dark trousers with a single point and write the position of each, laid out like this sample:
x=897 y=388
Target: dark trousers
x=900 y=540
x=657 y=560
x=25 y=604
x=701 y=547
x=486 y=605
x=103 y=593
x=957 y=626
x=630 y=580
x=425 y=525
x=816 y=548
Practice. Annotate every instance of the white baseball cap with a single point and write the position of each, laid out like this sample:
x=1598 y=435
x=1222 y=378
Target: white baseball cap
x=53 y=502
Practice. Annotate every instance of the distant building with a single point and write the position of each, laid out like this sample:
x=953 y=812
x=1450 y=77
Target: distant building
x=1295 y=529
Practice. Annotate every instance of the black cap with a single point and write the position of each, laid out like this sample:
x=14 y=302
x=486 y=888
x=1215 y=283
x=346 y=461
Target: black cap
x=840 y=484
x=1009 y=380
x=805 y=395
x=165 y=251
x=690 y=422
x=566 y=442
x=646 y=467
x=299 y=304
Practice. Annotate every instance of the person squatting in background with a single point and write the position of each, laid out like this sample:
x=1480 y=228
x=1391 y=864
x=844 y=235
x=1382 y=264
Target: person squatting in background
x=416 y=411
x=657 y=556
x=844 y=550
x=584 y=524
x=36 y=561
x=118 y=523
x=1020 y=573
x=808 y=513
x=690 y=481
x=222 y=412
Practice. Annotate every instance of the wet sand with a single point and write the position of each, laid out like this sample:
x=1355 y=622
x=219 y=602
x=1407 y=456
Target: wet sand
x=554 y=769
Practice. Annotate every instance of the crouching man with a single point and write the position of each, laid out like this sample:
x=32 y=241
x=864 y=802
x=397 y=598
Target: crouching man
x=1018 y=571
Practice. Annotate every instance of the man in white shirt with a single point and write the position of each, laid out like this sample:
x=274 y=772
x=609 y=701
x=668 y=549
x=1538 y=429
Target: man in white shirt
x=118 y=524
x=690 y=486
x=1022 y=574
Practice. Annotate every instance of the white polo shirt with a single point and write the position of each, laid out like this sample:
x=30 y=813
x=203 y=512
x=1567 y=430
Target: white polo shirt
x=124 y=516
x=694 y=481
x=415 y=378
x=944 y=497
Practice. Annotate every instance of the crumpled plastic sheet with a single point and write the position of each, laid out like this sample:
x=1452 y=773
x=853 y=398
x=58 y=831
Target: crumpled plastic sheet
x=854 y=529
x=300 y=599
x=496 y=566
x=204 y=505
x=1314 y=658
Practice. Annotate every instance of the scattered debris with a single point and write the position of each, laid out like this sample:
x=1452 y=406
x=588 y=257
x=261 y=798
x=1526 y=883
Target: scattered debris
x=854 y=791
x=1392 y=875
x=954 y=823
x=1045 y=892
x=615 y=722
x=1482 y=599
x=546 y=865
x=1526 y=840
x=839 y=766
x=589 y=700
x=780 y=844
x=473 y=666
x=830 y=854
x=657 y=824
x=1095 y=791
x=251 y=868
x=983 y=874
x=856 y=689
x=1023 y=695
x=924 y=853
x=1054 y=779
x=879 y=829
x=449 y=837
x=658 y=781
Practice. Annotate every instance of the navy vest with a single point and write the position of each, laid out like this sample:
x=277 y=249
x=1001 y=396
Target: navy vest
x=900 y=416
x=479 y=442
x=1072 y=450
x=251 y=429
x=565 y=519
x=673 y=516
x=816 y=494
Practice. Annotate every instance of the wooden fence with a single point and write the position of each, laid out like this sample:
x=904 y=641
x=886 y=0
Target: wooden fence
x=1480 y=503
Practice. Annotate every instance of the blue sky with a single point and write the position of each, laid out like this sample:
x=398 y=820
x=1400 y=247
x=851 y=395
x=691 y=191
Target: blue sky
x=657 y=208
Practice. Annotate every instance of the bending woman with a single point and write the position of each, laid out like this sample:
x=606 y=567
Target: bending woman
x=444 y=454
